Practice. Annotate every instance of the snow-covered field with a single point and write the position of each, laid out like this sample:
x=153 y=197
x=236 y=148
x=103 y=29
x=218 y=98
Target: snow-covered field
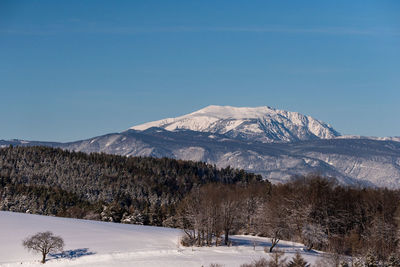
x=92 y=243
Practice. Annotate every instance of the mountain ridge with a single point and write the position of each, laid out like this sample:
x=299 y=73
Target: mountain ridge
x=263 y=124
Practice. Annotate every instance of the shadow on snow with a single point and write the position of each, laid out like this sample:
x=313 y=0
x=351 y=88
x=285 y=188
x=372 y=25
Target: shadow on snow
x=72 y=254
x=288 y=248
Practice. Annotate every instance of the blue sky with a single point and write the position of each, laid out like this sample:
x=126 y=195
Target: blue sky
x=76 y=69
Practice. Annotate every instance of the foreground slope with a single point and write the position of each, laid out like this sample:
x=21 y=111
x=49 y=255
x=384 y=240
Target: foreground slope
x=92 y=243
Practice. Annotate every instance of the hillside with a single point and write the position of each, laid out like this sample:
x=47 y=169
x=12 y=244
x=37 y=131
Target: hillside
x=99 y=186
x=90 y=243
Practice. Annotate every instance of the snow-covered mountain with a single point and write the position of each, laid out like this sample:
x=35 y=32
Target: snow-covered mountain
x=386 y=138
x=263 y=124
x=291 y=144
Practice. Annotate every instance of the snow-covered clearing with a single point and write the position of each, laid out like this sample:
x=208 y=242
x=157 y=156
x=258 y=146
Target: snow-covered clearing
x=93 y=243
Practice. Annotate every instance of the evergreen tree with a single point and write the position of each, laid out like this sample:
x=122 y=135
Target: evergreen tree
x=298 y=261
x=277 y=259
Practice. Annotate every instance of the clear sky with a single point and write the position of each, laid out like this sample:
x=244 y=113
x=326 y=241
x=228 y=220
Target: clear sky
x=76 y=69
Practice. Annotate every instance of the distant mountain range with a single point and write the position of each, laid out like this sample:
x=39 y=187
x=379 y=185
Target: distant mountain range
x=275 y=143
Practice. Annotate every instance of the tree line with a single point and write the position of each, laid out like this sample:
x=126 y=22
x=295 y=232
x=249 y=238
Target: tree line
x=313 y=210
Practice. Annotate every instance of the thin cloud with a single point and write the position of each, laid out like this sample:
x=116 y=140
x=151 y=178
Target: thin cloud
x=272 y=29
x=90 y=29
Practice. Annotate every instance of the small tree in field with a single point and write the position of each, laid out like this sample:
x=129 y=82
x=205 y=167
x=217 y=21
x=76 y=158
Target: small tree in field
x=45 y=243
x=298 y=261
x=277 y=259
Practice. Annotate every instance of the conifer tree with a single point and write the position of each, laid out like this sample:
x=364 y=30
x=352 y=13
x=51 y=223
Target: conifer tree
x=277 y=259
x=298 y=261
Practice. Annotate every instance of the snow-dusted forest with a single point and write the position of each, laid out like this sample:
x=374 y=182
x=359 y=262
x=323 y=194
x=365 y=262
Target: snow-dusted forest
x=209 y=206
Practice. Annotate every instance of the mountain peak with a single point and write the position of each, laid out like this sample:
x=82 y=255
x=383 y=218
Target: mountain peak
x=234 y=112
x=263 y=124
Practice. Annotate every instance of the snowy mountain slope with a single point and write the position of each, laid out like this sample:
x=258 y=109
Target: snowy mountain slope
x=387 y=138
x=16 y=142
x=263 y=124
x=93 y=243
x=255 y=139
x=351 y=161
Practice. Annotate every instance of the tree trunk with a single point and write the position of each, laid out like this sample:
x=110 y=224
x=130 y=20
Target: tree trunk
x=43 y=257
x=274 y=242
x=271 y=248
x=226 y=236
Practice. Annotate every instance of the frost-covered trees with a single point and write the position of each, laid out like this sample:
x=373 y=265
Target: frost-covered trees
x=229 y=208
x=214 y=210
x=314 y=235
x=274 y=219
x=393 y=260
x=72 y=184
x=208 y=212
x=275 y=224
x=207 y=202
x=319 y=213
x=382 y=240
x=371 y=260
x=44 y=243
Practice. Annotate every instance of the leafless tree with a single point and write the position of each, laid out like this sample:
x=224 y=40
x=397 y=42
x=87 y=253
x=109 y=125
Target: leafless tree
x=229 y=208
x=274 y=221
x=45 y=243
x=314 y=235
x=209 y=211
x=199 y=216
x=382 y=239
x=253 y=198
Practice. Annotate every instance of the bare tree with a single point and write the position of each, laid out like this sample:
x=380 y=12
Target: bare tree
x=314 y=235
x=45 y=243
x=382 y=239
x=209 y=211
x=229 y=209
x=274 y=221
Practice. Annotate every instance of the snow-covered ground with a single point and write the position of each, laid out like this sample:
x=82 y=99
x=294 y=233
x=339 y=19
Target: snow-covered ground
x=92 y=243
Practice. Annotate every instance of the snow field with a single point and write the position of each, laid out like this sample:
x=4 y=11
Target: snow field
x=93 y=243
